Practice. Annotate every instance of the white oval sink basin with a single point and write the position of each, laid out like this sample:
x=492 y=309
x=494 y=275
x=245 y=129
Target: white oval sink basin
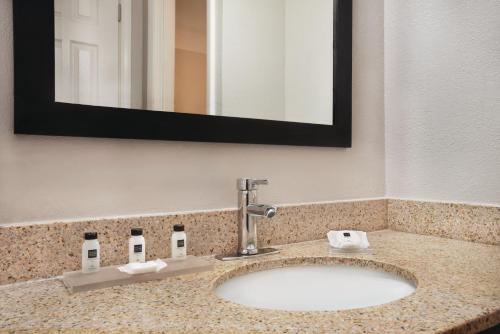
x=315 y=288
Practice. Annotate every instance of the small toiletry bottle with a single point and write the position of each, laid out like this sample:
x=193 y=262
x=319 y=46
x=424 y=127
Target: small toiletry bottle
x=91 y=253
x=179 y=242
x=136 y=246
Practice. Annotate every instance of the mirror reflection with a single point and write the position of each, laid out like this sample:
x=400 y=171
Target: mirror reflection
x=261 y=59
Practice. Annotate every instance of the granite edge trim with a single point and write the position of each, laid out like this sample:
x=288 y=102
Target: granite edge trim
x=174 y=213
x=460 y=221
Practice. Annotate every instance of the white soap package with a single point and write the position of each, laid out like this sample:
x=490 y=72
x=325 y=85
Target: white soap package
x=348 y=240
x=143 y=268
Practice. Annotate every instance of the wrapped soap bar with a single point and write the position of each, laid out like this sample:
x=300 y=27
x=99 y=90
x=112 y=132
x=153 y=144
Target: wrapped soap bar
x=143 y=268
x=348 y=239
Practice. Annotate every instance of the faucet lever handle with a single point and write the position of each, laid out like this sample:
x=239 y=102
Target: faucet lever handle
x=245 y=184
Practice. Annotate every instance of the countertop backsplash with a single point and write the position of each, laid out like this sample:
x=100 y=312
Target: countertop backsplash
x=45 y=250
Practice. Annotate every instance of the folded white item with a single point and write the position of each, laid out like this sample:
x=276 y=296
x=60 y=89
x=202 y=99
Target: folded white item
x=348 y=239
x=143 y=268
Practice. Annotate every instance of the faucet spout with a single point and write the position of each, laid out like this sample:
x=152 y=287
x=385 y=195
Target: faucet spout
x=261 y=210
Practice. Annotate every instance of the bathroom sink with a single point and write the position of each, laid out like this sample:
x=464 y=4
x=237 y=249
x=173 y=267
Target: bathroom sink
x=315 y=288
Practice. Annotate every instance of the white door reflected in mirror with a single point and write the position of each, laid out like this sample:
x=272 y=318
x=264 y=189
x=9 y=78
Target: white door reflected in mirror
x=260 y=59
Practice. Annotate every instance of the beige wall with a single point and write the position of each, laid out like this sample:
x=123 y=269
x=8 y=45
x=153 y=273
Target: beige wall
x=191 y=25
x=45 y=178
x=191 y=56
x=190 y=82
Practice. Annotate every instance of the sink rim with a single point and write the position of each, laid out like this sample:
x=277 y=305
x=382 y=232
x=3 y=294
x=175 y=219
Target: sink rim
x=263 y=265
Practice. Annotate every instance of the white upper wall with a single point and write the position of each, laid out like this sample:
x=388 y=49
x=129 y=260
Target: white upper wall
x=442 y=100
x=46 y=178
x=277 y=60
x=252 y=59
x=308 y=61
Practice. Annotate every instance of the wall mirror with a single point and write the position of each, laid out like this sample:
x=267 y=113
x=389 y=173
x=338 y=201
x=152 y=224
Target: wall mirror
x=244 y=71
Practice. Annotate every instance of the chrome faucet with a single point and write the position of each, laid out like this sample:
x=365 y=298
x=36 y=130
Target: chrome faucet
x=249 y=212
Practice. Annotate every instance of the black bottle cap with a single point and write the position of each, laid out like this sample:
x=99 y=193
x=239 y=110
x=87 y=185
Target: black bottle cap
x=136 y=231
x=179 y=228
x=90 y=236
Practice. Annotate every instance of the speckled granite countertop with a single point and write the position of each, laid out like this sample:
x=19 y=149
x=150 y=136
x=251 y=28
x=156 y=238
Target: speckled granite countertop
x=458 y=292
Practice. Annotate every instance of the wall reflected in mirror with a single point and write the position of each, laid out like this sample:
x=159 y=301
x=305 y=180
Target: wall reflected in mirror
x=261 y=59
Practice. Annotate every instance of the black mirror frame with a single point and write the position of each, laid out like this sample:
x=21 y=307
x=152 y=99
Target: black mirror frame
x=37 y=113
